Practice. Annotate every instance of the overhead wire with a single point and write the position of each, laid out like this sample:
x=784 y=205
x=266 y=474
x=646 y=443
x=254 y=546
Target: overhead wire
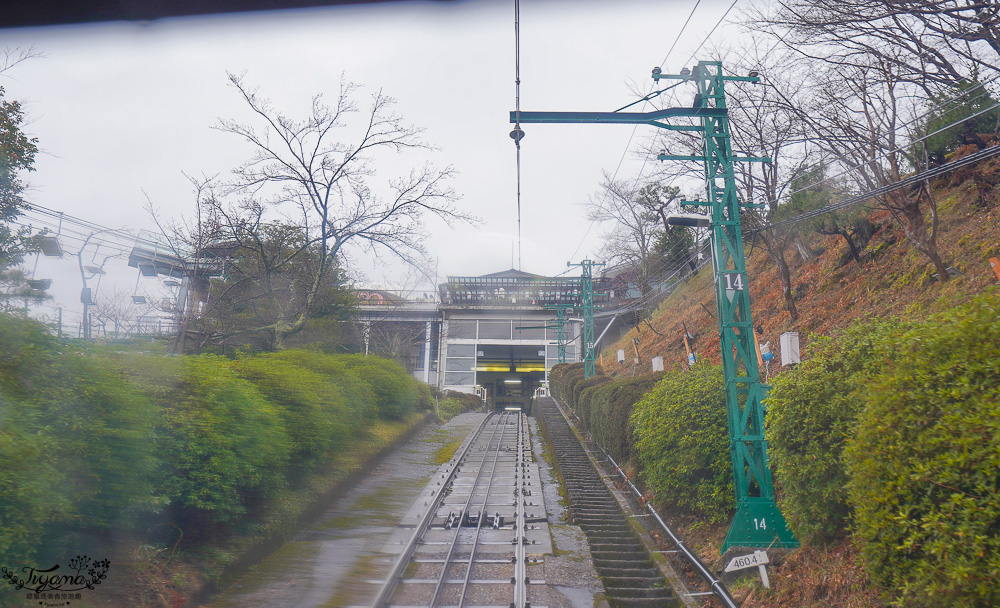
x=680 y=260
x=517 y=133
x=635 y=128
x=886 y=154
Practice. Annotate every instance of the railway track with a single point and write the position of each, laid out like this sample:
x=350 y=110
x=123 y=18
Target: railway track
x=470 y=546
x=631 y=579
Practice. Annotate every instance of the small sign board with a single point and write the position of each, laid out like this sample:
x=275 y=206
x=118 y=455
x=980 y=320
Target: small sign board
x=757 y=558
x=733 y=282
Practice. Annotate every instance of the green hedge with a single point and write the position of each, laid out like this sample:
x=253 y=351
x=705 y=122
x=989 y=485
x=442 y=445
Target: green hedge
x=611 y=412
x=224 y=446
x=583 y=389
x=359 y=394
x=77 y=441
x=313 y=410
x=100 y=441
x=924 y=481
x=683 y=444
x=396 y=393
x=812 y=411
x=561 y=378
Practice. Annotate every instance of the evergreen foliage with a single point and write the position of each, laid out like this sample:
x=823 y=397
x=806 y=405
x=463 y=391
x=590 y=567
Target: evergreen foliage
x=17 y=156
x=683 y=444
x=611 y=413
x=923 y=468
x=98 y=441
x=812 y=411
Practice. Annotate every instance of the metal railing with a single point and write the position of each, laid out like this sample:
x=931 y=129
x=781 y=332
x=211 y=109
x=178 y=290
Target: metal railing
x=718 y=588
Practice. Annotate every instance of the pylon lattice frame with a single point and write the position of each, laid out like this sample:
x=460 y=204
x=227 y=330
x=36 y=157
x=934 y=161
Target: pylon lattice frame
x=587 y=302
x=758 y=521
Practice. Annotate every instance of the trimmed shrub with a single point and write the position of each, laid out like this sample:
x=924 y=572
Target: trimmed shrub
x=683 y=443
x=924 y=485
x=585 y=386
x=97 y=428
x=449 y=407
x=811 y=412
x=225 y=445
x=31 y=487
x=396 y=393
x=312 y=409
x=560 y=377
x=572 y=379
x=611 y=412
x=595 y=406
x=358 y=396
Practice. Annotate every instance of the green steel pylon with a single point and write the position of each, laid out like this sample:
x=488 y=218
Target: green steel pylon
x=587 y=300
x=758 y=521
x=560 y=327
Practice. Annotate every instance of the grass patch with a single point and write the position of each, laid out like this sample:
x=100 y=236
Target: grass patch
x=444 y=453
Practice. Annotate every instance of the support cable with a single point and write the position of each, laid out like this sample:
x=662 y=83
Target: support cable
x=517 y=134
x=646 y=98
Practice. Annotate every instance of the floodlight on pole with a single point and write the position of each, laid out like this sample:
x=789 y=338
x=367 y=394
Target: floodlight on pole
x=689 y=220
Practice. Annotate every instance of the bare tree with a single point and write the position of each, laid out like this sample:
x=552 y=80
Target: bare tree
x=761 y=125
x=304 y=167
x=857 y=116
x=119 y=311
x=931 y=43
x=635 y=214
x=193 y=245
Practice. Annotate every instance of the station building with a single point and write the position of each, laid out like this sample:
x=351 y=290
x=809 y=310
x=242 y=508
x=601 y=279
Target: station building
x=495 y=334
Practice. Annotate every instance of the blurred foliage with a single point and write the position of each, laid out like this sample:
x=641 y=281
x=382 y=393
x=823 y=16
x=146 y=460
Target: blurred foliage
x=683 y=444
x=17 y=155
x=311 y=408
x=812 y=411
x=923 y=467
x=396 y=393
x=101 y=439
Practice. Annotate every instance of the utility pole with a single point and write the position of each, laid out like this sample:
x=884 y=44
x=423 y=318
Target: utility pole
x=560 y=327
x=587 y=287
x=758 y=521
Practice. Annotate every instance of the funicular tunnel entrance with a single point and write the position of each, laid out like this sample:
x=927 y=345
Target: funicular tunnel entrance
x=510 y=373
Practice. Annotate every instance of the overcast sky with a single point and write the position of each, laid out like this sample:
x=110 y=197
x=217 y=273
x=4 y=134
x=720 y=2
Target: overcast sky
x=122 y=109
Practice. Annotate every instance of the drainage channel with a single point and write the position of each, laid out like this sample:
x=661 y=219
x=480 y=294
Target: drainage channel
x=631 y=579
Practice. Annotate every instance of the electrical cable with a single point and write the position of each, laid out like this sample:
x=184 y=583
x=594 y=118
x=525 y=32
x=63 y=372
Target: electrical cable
x=712 y=31
x=918 y=177
x=517 y=133
x=646 y=98
x=893 y=151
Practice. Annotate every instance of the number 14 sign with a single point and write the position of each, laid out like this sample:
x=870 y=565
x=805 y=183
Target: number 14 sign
x=732 y=282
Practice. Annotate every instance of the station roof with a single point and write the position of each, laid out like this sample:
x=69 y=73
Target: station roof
x=510 y=288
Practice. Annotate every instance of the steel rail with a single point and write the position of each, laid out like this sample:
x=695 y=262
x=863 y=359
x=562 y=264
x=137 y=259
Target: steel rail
x=389 y=585
x=465 y=511
x=718 y=588
x=520 y=528
x=482 y=513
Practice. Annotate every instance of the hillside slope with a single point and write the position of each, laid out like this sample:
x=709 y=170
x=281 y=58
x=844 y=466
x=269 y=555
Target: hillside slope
x=894 y=280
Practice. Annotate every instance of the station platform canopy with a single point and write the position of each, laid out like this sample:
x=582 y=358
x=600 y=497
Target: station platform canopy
x=512 y=288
